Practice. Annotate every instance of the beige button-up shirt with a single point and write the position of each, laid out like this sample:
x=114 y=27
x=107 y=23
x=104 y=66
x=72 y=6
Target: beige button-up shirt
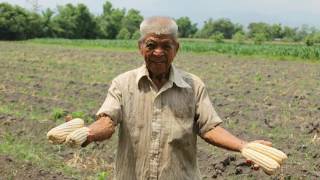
x=158 y=128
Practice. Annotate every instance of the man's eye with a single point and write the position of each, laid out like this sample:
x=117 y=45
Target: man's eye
x=150 y=45
x=167 y=47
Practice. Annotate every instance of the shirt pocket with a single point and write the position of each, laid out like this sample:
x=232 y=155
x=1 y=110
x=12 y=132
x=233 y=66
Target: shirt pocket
x=182 y=133
x=183 y=111
x=182 y=106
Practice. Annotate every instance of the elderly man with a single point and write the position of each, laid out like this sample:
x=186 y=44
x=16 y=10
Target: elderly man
x=160 y=110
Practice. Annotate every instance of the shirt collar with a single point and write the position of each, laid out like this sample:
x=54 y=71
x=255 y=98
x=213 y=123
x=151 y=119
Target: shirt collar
x=175 y=76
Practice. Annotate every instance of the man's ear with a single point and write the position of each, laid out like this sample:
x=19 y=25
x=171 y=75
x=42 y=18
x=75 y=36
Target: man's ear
x=140 y=46
x=177 y=46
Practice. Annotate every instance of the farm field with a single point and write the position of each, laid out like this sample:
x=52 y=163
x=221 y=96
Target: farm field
x=273 y=50
x=258 y=98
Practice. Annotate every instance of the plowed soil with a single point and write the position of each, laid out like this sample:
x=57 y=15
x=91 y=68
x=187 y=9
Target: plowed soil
x=257 y=99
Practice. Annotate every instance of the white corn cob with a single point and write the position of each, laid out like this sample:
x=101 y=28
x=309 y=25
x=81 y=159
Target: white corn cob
x=268 y=165
x=77 y=137
x=58 y=134
x=274 y=153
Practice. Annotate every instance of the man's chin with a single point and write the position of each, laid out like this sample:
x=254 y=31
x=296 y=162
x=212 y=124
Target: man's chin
x=158 y=70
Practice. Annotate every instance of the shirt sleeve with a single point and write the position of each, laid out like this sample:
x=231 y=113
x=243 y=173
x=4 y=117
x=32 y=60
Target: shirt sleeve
x=112 y=104
x=205 y=115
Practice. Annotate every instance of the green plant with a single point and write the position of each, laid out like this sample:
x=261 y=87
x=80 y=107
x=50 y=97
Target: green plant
x=102 y=175
x=278 y=51
x=78 y=114
x=123 y=34
x=258 y=77
x=309 y=40
x=58 y=113
x=217 y=37
x=259 y=38
x=239 y=37
x=135 y=35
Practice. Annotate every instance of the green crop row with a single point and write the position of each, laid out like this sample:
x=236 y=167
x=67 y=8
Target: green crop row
x=295 y=51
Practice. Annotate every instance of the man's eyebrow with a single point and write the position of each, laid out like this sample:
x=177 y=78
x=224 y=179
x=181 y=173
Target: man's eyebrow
x=159 y=41
x=150 y=41
x=166 y=40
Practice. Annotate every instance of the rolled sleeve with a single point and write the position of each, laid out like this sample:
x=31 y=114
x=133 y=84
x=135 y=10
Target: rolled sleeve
x=206 y=116
x=112 y=104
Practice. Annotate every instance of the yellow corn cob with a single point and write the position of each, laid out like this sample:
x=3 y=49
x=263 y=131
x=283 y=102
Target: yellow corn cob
x=58 y=134
x=268 y=165
x=77 y=137
x=274 y=153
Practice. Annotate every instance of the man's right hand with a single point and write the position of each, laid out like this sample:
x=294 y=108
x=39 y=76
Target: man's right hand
x=100 y=130
x=90 y=139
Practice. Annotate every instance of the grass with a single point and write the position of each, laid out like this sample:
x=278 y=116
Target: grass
x=102 y=175
x=274 y=50
x=21 y=111
x=23 y=150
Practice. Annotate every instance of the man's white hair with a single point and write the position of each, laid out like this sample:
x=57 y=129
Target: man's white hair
x=158 y=25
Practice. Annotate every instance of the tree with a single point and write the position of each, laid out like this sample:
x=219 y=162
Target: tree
x=75 y=22
x=123 y=34
x=239 y=37
x=34 y=25
x=289 y=33
x=259 y=38
x=275 y=31
x=259 y=29
x=185 y=27
x=303 y=32
x=132 y=21
x=207 y=29
x=65 y=21
x=18 y=23
x=136 y=35
x=110 y=21
x=312 y=38
x=224 y=26
x=217 y=37
x=48 y=27
x=87 y=26
x=309 y=40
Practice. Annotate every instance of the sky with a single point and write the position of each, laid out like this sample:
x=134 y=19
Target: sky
x=293 y=13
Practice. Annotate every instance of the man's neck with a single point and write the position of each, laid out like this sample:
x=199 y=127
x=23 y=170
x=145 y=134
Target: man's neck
x=160 y=80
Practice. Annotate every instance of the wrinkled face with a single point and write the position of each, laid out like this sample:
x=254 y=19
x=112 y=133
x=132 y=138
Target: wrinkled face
x=158 y=52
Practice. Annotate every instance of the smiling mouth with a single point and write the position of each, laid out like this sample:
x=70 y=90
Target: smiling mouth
x=158 y=61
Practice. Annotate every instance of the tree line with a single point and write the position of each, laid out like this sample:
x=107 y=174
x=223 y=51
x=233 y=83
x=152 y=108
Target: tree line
x=77 y=22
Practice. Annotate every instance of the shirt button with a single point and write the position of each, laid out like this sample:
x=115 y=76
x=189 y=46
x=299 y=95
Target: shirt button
x=154 y=134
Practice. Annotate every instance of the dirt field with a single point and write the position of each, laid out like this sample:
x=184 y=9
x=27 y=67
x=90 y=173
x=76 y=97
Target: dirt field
x=257 y=99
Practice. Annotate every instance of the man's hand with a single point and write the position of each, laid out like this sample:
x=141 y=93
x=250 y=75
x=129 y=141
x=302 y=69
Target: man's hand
x=264 y=142
x=100 y=130
x=268 y=158
x=90 y=139
x=249 y=162
x=222 y=138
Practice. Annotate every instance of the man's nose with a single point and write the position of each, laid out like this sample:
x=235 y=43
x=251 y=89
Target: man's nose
x=158 y=52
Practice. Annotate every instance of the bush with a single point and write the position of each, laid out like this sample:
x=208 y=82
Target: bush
x=217 y=37
x=136 y=35
x=239 y=37
x=123 y=34
x=309 y=40
x=259 y=38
